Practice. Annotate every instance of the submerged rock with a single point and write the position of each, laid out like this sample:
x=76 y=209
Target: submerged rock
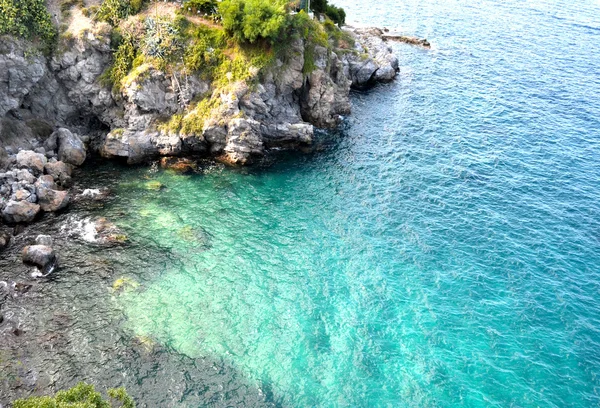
x=42 y=256
x=43 y=240
x=154 y=185
x=178 y=164
x=20 y=211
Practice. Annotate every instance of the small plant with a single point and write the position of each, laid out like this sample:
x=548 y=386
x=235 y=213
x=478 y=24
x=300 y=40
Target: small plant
x=81 y=396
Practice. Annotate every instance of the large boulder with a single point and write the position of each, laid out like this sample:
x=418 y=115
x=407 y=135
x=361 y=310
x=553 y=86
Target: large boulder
x=71 y=149
x=20 y=211
x=42 y=256
x=60 y=171
x=48 y=197
x=28 y=159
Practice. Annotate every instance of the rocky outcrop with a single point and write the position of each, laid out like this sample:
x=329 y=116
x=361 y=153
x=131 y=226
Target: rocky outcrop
x=46 y=103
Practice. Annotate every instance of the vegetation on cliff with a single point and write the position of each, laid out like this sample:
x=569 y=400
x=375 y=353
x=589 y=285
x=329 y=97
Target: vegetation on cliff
x=27 y=19
x=81 y=396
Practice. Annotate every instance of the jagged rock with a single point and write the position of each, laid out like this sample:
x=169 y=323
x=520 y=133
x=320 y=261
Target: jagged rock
x=152 y=92
x=21 y=67
x=19 y=211
x=70 y=148
x=25 y=176
x=243 y=141
x=32 y=161
x=42 y=256
x=45 y=181
x=23 y=194
x=60 y=171
x=52 y=200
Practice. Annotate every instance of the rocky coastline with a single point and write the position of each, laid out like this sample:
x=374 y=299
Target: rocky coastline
x=56 y=112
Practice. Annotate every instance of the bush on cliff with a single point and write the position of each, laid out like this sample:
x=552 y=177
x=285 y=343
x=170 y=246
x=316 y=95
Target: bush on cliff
x=252 y=20
x=336 y=14
x=81 y=396
x=27 y=19
x=113 y=11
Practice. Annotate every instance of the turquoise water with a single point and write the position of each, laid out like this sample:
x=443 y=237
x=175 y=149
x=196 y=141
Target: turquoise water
x=441 y=250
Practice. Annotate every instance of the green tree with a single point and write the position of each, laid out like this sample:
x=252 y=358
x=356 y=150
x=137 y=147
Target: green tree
x=251 y=20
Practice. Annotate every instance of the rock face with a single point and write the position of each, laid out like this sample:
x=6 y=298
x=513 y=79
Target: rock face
x=280 y=111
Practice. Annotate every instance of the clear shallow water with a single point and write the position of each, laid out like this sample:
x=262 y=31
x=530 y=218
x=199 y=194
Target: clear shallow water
x=442 y=250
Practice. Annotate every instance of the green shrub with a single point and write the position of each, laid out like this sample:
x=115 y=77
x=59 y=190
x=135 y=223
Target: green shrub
x=122 y=62
x=252 y=20
x=27 y=19
x=81 y=396
x=204 y=51
x=337 y=14
x=113 y=11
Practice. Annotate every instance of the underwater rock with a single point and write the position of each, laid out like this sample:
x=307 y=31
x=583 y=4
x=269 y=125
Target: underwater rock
x=178 y=164
x=20 y=211
x=154 y=185
x=42 y=256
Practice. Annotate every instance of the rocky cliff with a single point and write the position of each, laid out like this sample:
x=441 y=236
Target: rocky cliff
x=56 y=109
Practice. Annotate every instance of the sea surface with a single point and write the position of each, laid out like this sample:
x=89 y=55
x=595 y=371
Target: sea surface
x=441 y=249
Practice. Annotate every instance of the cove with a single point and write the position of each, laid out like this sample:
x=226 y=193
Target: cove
x=441 y=249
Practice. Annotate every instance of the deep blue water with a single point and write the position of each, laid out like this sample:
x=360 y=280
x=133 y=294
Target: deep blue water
x=443 y=249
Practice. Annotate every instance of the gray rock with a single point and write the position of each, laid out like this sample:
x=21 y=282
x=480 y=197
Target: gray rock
x=19 y=211
x=45 y=181
x=31 y=160
x=43 y=240
x=60 y=171
x=51 y=143
x=25 y=175
x=4 y=239
x=42 y=256
x=70 y=148
x=52 y=200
